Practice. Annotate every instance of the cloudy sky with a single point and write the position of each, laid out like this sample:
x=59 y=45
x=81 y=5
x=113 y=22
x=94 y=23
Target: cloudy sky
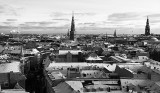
x=91 y=16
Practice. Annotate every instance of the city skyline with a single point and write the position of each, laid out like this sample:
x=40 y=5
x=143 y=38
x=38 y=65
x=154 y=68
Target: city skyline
x=91 y=16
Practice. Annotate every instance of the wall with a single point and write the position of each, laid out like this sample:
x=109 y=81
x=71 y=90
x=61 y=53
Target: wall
x=90 y=73
x=140 y=76
x=155 y=76
x=66 y=58
x=114 y=87
x=105 y=82
x=69 y=57
x=4 y=79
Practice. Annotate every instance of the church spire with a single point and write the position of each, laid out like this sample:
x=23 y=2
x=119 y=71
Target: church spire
x=68 y=33
x=115 y=34
x=106 y=37
x=72 y=28
x=72 y=23
x=147 y=21
x=147 y=28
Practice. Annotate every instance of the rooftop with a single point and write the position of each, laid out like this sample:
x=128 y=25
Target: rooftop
x=74 y=52
x=7 y=67
x=13 y=91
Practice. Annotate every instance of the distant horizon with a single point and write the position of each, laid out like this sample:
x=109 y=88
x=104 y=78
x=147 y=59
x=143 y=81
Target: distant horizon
x=56 y=33
x=91 y=16
x=49 y=30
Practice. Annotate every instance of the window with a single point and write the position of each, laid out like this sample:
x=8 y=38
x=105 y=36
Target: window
x=84 y=75
x=6 y=84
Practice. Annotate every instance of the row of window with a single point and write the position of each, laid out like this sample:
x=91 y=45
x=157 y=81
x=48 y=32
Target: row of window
x=5 y=84
x=91 y=74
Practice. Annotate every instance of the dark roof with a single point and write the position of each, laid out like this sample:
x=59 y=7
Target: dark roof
x=22 y=83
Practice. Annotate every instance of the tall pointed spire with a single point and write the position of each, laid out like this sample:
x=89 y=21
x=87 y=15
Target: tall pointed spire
x=147 y=21
x=72 y=23
x=147 y=28
x=72 y=28
x=115 y=34
x=68 y=33
x=106 y=37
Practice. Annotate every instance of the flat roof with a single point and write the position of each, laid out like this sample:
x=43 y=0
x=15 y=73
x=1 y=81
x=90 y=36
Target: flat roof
x=8 y=67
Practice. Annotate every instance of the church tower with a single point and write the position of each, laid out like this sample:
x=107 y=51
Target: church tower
x=72 y=28
x=147 y=28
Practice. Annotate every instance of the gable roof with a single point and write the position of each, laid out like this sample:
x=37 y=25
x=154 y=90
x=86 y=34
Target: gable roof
x=63 y=87
x=93 y=56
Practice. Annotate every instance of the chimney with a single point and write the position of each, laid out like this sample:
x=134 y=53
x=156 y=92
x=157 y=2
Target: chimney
x=0 y=88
